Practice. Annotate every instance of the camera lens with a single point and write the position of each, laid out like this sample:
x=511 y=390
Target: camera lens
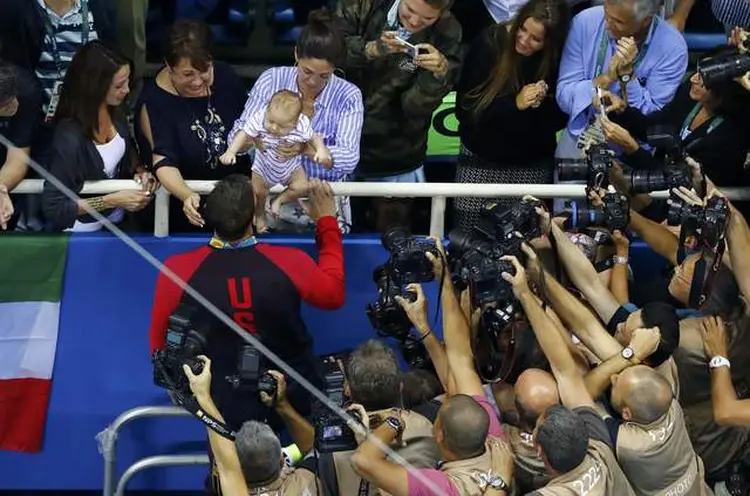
x=573 y=170
x=585 y=216
x=647 y=181
x=392 y=238
x=723 y=68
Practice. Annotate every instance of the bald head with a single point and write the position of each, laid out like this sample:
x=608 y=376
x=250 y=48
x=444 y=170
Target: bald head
x=535 y=390
x=465 y=425
x=645 y=393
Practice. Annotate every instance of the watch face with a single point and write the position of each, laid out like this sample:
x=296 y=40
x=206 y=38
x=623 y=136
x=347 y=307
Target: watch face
x=625 y=78
x=627 y=353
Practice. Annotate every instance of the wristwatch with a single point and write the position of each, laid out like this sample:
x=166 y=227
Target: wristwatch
x=625 y=78
x=629 y=354
x=496 y=482
x=719 y=361
x=620 y=260
x=396 y=424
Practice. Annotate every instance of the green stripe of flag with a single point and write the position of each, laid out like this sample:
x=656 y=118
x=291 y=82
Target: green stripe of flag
x=32 y=267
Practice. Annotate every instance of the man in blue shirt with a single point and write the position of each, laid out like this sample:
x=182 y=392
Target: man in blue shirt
x=623 y=47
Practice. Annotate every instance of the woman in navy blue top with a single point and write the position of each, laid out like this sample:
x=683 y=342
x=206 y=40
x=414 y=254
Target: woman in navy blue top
x=184 y=116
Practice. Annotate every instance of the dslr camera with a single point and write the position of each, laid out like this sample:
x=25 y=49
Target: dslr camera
x=676 y=171
x=474 y=258
x=407 y=263
x=251 y=376
x=594 y=168
x=390 y=320
x=332 y=434
x=187 y=332
x=613 y=214
x=712 y=220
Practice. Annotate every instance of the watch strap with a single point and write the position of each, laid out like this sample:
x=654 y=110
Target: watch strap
x=719 y=361
x=617 y=259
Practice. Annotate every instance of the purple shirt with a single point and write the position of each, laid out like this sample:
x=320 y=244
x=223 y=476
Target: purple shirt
x=656 y=78
x=338 y=118
x=438 y=479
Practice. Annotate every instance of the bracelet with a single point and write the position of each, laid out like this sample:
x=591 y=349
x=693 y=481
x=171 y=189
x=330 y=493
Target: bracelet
x=96 y=203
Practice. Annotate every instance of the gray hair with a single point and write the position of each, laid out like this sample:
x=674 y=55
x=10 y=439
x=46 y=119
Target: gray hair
x=259 y=451
x=8 y=89
x=642 y=9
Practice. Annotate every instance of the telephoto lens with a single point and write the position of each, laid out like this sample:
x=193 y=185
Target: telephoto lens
x=723 y=68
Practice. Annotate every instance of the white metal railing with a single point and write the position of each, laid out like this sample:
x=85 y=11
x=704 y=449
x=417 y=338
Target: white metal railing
x=439 y=192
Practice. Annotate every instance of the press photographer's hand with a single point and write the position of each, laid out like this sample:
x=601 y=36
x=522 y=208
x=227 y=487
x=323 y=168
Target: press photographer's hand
x=416 y=310
x=360 y=425
x=644 y=342
x=280 y=400
x=438 y=263
x=200 y=384
x=518 y=280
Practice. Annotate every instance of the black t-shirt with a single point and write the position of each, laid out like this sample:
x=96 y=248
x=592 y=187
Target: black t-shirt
x=21 y=128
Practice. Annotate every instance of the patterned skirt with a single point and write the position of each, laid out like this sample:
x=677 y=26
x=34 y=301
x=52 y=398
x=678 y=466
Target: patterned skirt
x=474 y=169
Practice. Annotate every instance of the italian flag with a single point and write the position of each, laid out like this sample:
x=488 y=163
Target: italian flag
x=31 y=278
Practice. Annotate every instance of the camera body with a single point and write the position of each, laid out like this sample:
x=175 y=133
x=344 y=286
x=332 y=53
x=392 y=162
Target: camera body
x=499 y=223
x=408 y=263
x=594 y=168
x=186 y=338
x=332 y=434
x=389 y=319
x=613 y=214
x=251 y=376
x=676 y=172
x=712 y=219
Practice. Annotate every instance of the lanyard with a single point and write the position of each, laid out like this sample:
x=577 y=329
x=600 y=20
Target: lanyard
x=715 y=122
x=53 y=37
x=218 y=244
x=604 y=45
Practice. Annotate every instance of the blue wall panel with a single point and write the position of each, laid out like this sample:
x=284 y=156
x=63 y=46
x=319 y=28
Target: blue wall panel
x=103 y=368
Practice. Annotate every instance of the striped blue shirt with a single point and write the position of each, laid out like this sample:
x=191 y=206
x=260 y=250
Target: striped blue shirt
x=68 y=32
x=338 y=119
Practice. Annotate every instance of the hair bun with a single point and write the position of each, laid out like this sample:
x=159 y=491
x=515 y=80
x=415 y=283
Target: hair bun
x=320 y=16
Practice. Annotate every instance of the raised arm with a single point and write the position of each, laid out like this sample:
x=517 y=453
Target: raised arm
x=301 y=431
x=584 y=275
x=657 y=236
x=572 y=388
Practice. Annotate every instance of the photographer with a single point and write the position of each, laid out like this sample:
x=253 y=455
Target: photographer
x=465 y=427
x=261 y=287
x=249 y=463
x=404 y=55
x=741 y=39
x=710 y=120
x=572 y=438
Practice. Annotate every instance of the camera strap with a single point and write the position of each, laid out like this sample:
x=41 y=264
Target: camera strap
x=191 y=405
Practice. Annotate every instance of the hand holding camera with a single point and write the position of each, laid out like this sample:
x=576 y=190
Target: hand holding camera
x=272 y=389
x=416 y=309
x=360 y=423
x=516 y=276
x=200 y=382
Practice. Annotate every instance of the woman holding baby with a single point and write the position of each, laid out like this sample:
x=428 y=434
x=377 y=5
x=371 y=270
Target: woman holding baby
x=333 y=107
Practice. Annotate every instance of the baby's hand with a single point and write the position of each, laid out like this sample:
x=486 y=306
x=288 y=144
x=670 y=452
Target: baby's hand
x=258 y=144
x=324 y=158
x=228 y=158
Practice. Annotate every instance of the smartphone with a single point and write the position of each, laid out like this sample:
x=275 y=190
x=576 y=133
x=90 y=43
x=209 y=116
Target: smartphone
x=412 y=50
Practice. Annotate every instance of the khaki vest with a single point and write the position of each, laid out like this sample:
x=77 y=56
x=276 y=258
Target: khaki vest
x=420 y=451
x=658 y=458
x=597 y=475
x=531 y=473
x=466 y=474
x=716 y=445
x=292 y=482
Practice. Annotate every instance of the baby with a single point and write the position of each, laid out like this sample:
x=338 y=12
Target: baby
x=282 y=121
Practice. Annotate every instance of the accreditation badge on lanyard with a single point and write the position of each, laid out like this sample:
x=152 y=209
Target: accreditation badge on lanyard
x=57 y=58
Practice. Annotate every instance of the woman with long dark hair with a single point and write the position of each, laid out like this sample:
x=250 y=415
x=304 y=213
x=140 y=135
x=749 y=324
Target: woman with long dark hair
x=92 y=142
x=505 y=102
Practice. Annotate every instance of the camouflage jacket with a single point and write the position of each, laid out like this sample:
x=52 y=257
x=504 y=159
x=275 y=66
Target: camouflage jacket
x=399 y=97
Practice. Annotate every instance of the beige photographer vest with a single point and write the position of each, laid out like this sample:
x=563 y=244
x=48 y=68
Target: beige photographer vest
x=658 y=458
x=597 y=475
x=466 y=475
x=531 y=472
